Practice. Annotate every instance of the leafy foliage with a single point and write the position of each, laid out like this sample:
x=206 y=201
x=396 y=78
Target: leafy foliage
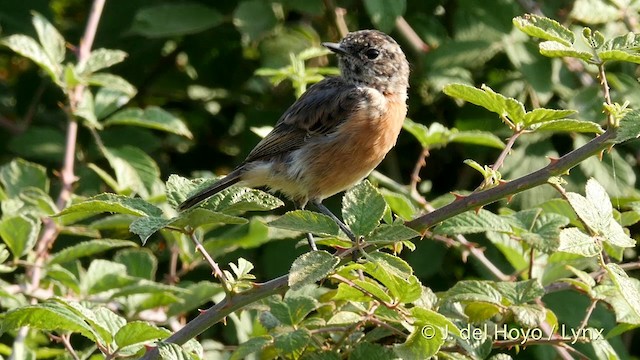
x=95 y=260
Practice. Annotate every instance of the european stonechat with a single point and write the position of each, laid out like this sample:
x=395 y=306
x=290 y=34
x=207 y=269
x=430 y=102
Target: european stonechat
x=336 y=133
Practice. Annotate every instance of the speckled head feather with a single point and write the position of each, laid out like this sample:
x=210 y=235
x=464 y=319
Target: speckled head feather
x=372 y=58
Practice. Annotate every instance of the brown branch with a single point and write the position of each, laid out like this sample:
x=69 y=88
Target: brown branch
x=536 y=178
x=412 y=37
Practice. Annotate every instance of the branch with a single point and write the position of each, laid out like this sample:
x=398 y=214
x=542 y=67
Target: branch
x=219 y=311
x=536 y=178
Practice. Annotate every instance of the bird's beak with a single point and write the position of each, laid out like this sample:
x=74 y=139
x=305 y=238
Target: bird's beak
x=335 y=47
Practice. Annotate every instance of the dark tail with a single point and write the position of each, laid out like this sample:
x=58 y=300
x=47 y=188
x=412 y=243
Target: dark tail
x=218 y=186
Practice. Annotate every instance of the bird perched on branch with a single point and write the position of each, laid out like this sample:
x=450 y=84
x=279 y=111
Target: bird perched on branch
x=336 y=133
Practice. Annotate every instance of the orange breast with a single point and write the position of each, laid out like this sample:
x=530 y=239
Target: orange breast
x=361 y=144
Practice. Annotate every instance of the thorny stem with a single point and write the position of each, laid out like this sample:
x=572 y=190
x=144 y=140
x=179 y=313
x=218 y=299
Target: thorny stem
x=475 y=252
x=415 y=175
x=51 y=231
x=536 y=178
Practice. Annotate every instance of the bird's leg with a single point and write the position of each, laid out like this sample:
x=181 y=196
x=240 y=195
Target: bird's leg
x=323 y=209
x=310 y=239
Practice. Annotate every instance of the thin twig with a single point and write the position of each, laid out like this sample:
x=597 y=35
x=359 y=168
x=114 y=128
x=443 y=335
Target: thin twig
x=602 y=76
x=415 y=175
x=507 y=149
x=410 y=34
x=587 y=316
x=216 y=269
x=338 y=14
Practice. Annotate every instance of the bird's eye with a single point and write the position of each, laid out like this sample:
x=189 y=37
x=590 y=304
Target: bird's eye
x=372 y=53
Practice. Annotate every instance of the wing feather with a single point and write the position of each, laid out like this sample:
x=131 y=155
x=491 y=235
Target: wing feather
x=318 y=112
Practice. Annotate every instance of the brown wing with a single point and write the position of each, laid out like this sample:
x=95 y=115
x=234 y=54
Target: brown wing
x=317 y=113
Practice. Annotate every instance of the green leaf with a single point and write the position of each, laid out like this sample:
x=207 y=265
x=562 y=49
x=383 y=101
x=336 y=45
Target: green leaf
x=628 y=289
x=621 y=48
x=86 y=110
x=292 y=344
x=574 y=241
x=254 y=18
x=135 y=170
x=100 y=59
x=629 y=127
x=344 y=318
x=391 y=233
x=112 y=82
x=471 y=222
x=383 y=13
x=307 y=222
x=362 y=208
x=489 y=99
x=556 y=49
x=544 y=28
x=152 y=117
x=542 y=115
x=237 y=200
x=350 y=293
x=569 y=125
x=311 y=267
x=88 y=248
x=137 y=332
x=370 y=289
x=52 y=42
x=475 y=137
x=424 y=316
x=58 y=275
x=545 y=232
x=596 y=12
x=528 y=315
x=39 y=143
x=369 y=351
x=293 y=310
x=595 y=209
x=48 y=316
x=251 y=346
x=479 y=312
x=171 y=19
x=140 y=263
x=473 y=290
x=521 y=292
x=200 y=216
x=104 y=275
x=434 y=136
x=423 y=343
x=20 y=174
x=112 y=203
x=20 y=233
x=146 y=226
x=396 y=275
x=29 y=48
x=106 y=101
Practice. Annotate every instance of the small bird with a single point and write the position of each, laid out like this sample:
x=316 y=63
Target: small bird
x=336 y=133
